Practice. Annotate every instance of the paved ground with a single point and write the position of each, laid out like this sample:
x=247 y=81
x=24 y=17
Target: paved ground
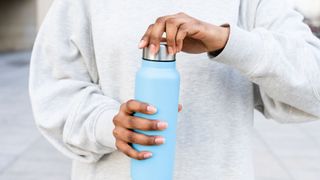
x=282 y=152
x=24 y=154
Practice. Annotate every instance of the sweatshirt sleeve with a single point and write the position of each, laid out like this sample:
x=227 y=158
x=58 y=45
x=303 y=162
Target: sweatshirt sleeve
x=69 y=107
x=281 y=56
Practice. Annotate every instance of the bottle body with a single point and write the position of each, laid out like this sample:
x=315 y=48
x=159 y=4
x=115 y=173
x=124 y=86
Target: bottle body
x=157 y=83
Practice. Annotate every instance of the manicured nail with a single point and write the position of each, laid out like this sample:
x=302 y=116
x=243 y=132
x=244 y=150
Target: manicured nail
x=153 y=49
x=147 y=155
x=151 y=109
x=170 y=49
x=142 y=43
x=162 y=125
x=159 y=140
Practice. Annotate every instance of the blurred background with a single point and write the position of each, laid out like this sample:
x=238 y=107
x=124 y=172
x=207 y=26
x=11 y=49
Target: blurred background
x=281 y=152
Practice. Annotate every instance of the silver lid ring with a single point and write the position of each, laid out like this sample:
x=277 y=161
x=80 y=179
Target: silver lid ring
x=161 y=55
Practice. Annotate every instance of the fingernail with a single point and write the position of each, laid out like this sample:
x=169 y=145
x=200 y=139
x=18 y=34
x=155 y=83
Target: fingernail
x=147 y=155
x=159 y=140
x=170 y=49
x=162 y=125
x=142 y=43
x=151 y=109
x=153 y=48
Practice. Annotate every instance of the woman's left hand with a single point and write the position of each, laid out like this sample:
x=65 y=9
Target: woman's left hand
x=185 y=33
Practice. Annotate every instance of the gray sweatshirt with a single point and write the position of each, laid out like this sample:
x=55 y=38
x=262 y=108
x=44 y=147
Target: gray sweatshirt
x=86 y=56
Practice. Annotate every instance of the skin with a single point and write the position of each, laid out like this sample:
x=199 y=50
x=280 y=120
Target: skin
x=183 y=33
x=125 y=122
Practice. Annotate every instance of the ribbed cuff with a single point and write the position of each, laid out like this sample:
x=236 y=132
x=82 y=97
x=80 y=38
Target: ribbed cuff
x=104 y=128
x=243 y=51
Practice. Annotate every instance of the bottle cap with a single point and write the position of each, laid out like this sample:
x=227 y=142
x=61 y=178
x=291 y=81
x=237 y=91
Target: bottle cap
x=161 y=55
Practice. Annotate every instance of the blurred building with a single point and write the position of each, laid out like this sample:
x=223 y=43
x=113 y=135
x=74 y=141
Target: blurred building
x=18 y=23
x=20 y=20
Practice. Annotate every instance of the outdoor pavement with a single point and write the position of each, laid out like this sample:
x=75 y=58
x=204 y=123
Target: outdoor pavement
x=281 y=152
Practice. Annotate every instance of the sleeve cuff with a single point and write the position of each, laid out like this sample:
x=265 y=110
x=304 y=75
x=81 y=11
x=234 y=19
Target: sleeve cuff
x=104 y=128
x=243 y=51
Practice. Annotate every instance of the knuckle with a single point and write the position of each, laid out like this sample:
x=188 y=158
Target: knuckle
x=171 y=21
x=123 y=106
x=181 y=13
x=151 y=140
x=130 y=101
x=115 y=119
x=143 y=107
x=160 y=20
x=153 y=125
x=115 y=132
x=129 y=104
x=150 y=26
x=131 y=122
x=184 y=27
x=131 y=137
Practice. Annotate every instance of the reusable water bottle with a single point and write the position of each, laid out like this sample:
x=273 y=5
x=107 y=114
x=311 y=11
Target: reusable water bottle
x=157 y=83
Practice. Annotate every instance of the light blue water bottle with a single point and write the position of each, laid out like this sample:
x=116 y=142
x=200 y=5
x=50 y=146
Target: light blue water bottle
x=157 y=83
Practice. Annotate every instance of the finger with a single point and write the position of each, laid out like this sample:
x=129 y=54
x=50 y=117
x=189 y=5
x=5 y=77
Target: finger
x=133 y=106
x=138 y=123
x=159 y=28
x=157 y=32
x=181 y=35
x=172 y=26
x=171 y=32
x=136 y=138
x=179 y=108
x=129 y=151
x=145 y=38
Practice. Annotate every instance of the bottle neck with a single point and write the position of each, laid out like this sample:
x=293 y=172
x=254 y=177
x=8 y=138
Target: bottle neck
x=159 y=64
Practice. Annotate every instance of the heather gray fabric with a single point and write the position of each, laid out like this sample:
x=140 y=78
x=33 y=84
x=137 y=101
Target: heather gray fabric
x=85 y=58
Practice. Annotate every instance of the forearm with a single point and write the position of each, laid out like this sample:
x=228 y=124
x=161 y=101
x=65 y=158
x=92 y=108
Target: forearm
x=283 y=66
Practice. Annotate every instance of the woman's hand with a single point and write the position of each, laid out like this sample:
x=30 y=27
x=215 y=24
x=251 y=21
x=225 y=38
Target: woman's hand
x=125 y=123
x=185 y=33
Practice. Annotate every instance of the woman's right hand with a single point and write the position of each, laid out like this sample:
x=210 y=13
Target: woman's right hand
x=125 y=123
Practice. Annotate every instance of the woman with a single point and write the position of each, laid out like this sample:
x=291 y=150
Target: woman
x=261 y=55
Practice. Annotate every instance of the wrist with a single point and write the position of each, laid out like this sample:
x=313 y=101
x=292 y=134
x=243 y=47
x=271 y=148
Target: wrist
x=219 y=36
x=225 y=33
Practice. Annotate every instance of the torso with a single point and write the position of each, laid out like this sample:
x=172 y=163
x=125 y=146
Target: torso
x=214 y=127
